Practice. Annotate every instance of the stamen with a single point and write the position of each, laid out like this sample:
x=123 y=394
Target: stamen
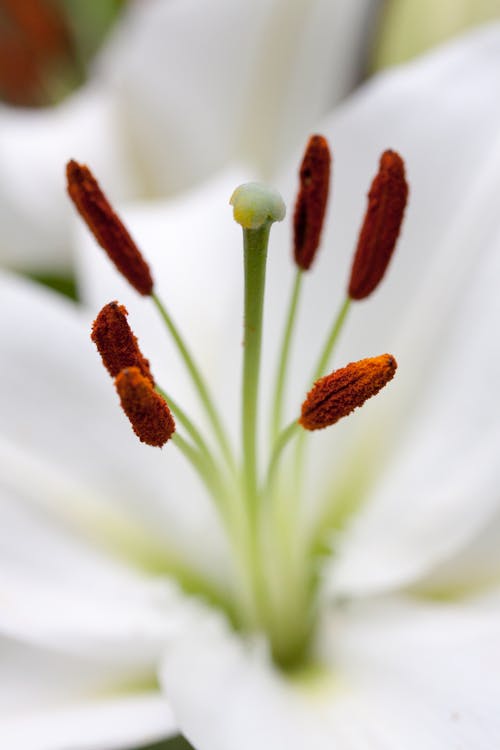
x=379 y=233
x=147 y=411
x=116 y=342
x=311 y=203
x=338 y=394
x=107 y=228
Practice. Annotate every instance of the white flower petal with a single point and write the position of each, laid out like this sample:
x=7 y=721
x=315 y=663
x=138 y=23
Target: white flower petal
x=34 y=148
x=50 y=701
x=125 y=632
x=440 y=487
x=101 y=724
x=433 y=313
x=205 y=82
x=398 y=675
x=475 y=567
x=70 y=449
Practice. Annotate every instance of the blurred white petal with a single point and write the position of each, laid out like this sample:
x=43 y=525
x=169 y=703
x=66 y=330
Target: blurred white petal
x=34 y=148
x=204 y=82
x=395 y=674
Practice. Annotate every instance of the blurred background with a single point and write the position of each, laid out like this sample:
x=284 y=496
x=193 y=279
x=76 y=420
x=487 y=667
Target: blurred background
x=47 y=46
x=48 y=49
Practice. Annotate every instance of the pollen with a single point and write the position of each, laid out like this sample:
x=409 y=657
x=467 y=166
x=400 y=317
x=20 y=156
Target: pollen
x=314 y=185
x=116 y=342
x=107 y=228
x=146 y=410
x=338 y=394
x=386 y=206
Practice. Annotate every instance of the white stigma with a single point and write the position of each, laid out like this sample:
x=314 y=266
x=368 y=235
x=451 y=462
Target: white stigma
x=255 y=203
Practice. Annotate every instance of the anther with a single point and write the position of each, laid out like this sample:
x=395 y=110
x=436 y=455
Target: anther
x=314 y=179
x=147 y=411
x=379 y=233
x=116 y=342
x=338 y=394
x=107 y=228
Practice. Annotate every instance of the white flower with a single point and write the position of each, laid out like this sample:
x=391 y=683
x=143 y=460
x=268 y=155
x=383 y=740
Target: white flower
x=182 y=87
x=409 y=644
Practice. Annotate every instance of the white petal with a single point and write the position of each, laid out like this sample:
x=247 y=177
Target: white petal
x=204 y=82
x=475 y=567
x=397 y=675
x=124 y=632
x=440 y=487
x=434 y=312
x=101 y=724
x=71 y=452
x=54 y=702
x=34 y=148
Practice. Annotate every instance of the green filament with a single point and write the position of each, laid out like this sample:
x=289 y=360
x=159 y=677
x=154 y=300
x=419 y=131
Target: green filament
x=279 y=389
x=198 y=382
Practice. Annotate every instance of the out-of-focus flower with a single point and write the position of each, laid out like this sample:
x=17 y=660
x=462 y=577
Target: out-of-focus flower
x=95 y=527
x=411 y=27
x=182 y=88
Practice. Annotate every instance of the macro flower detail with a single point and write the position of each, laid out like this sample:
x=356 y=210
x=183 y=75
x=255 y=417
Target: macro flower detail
x=108 y=230
x=337 y=395
x=379 y=233
x=242 y=492
x=116 y=343
x=148 y=412
x=312 y=200
x=137 y=605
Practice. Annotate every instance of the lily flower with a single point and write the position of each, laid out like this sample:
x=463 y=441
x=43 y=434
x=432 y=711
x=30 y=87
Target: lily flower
x=168 y=103
x=132 y=607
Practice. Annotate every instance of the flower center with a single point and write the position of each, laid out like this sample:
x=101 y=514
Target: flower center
x=276 y=562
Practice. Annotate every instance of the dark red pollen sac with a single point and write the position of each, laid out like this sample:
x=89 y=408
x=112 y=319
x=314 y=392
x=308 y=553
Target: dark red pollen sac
x=146 y=410
x=377 y=239
x=314 y=178
x=116 y=342
x=107 y=228
x=338 y=394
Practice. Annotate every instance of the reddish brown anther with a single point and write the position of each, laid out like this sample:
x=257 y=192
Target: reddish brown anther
x=379 y=233
x=116 y=343
x=107 y=228
x=338 y=394
x=311 y=202
x=147 y=411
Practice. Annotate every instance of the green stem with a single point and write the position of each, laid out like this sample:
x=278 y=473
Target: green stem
x=318 y=372
x=284 y=355
x=206 y=471
x=280 y=444
x=255 y=256
x=188 y=425
x=198 y=382
x=332 y=339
